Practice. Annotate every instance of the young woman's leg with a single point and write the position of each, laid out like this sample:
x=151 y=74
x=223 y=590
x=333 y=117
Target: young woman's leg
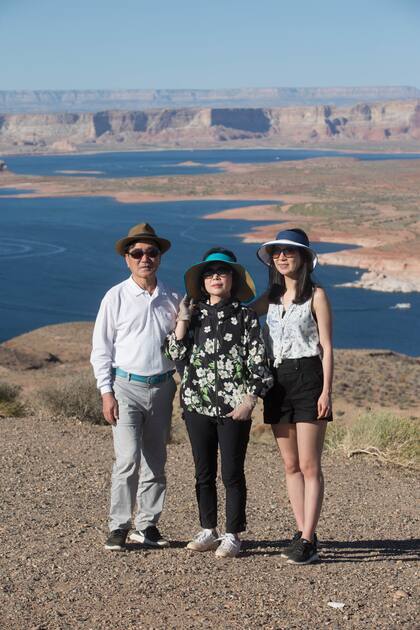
x=310 y=442
x=285 y=434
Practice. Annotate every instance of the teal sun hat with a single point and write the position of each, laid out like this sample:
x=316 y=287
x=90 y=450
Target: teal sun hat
x=244 y=284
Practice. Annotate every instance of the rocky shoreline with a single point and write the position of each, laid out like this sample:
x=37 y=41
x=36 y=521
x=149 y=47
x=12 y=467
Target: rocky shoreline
x=387 y=272
x=382 y=220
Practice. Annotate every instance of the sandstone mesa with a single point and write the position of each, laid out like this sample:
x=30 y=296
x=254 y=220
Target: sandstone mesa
x=392 y=124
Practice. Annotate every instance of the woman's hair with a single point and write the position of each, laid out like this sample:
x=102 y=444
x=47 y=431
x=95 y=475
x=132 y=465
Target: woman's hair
x=305 y=284
x=226 y=252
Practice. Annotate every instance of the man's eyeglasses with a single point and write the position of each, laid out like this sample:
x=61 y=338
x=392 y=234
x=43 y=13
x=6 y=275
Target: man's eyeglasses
x=288 y=252
x=222 y=272
x=152 y=252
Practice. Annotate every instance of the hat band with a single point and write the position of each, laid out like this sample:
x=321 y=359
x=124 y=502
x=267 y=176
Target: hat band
x=219 y=257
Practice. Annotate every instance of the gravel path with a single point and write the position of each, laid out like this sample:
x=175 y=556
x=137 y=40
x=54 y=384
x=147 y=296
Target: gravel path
x=56 y=573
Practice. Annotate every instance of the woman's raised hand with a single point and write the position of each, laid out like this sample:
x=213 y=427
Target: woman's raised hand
x=186 y=309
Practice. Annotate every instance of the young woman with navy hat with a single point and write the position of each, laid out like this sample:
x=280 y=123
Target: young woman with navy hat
x=298 y=334
x=219 y=341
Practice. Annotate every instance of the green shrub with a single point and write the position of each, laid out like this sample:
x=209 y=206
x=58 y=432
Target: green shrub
x=388 y=438
x=334 y=436
x=10 y=405
x=76 y=397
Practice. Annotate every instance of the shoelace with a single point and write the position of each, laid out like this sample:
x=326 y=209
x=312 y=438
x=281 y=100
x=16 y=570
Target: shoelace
x=229 y=540
x=301 y=544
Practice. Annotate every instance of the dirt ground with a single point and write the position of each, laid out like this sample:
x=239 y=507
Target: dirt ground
x=57 y=574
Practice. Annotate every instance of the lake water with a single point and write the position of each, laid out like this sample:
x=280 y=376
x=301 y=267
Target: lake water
x=153 y=163
x=57 y=260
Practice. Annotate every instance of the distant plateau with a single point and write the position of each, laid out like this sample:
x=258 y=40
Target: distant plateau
x=388 y=125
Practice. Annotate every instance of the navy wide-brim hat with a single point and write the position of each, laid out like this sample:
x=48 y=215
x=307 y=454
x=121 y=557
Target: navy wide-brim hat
x=244 y=284
x=292 y=237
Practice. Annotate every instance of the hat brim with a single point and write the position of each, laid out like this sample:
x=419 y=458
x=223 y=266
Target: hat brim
x=245 y=287
x=122 y=244
x=266 y=258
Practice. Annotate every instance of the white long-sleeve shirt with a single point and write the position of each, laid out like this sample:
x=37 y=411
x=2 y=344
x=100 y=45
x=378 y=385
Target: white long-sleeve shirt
x=130 y=329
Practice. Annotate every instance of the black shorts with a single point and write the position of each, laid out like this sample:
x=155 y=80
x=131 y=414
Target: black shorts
x=297 y=386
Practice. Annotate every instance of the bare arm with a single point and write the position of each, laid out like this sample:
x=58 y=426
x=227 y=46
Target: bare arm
x=260 y=305
x=322 y=310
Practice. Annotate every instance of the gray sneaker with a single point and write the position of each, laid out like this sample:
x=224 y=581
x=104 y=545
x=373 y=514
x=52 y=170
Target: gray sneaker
x=229 y=547
x=206 y=540
x=116 y=540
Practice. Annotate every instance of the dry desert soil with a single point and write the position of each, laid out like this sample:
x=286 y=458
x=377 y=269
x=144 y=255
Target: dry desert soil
x=56 y=574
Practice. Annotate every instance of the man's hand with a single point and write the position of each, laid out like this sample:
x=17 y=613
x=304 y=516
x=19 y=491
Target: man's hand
x=244 y=410
x=110 y=408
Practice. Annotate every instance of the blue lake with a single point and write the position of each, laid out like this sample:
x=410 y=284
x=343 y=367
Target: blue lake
x=57 y=260
x=153 y=163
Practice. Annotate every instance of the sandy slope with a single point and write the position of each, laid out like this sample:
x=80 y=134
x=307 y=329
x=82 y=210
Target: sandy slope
x=56 y=574
x=55 y=486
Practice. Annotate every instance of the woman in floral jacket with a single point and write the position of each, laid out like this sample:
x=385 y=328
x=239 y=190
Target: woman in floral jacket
x=219 y=342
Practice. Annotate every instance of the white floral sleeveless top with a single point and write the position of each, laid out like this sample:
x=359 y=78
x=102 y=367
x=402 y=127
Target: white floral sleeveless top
x=291 y=333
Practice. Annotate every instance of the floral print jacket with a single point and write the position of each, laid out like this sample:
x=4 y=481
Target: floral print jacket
x=224 y=357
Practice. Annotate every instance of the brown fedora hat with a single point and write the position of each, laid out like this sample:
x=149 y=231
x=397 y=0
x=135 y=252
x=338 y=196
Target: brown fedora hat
x=141 y=232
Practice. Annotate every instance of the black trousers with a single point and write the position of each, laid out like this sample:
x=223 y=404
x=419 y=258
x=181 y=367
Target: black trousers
x=232 y=436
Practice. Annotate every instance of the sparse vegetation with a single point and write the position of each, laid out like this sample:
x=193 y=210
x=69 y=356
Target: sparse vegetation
x=335 y=210
x=75 y=397
x=10 y=403
x=387 y=437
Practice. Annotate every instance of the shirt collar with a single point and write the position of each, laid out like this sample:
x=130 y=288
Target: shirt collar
x=136 y=290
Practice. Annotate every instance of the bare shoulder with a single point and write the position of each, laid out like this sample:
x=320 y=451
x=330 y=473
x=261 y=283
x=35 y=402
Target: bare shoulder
x=320 y=295
x=320 y=303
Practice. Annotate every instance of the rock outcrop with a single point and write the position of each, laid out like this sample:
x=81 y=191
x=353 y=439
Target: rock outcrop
x=394 y=123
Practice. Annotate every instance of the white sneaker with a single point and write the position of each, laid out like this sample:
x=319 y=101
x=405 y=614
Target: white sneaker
x=206 y=540
x=229 y=547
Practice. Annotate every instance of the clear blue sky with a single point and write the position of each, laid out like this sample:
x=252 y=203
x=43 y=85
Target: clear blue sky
x=93 y=44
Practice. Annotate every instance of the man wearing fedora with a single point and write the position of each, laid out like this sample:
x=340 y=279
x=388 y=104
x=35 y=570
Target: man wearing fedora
x=136 y=382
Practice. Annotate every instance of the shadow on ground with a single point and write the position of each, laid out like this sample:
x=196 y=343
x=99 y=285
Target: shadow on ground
x=333 y=551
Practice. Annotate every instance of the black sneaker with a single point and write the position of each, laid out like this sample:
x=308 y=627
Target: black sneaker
x=289 y=547
x=116 y=540
x=150 y=536
x=303 y=552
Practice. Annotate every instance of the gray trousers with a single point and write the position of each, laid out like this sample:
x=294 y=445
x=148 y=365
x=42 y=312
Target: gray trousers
x=140 y=439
